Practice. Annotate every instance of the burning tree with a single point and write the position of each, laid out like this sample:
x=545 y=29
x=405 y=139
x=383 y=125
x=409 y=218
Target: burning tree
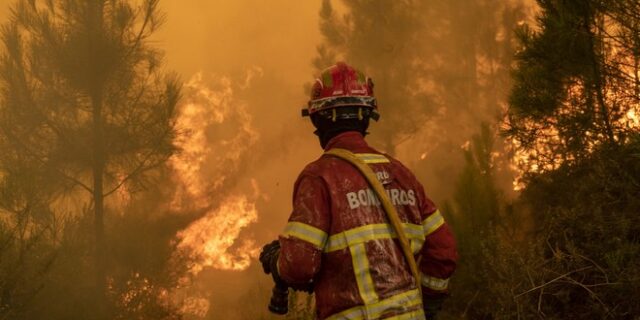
x=577 y=84
x=573 y=118
x=85 y=101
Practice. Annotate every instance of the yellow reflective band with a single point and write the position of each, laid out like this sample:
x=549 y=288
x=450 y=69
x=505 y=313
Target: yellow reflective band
x=413 y=231
x=371 y=232
x=434 y=283
x=416 y=245
x=413 y=315
x=307 y=233
x=387 y=205
x=359 y=235
x=432 y=223
x=363 y=276
x=407 y=301
x=372 y=158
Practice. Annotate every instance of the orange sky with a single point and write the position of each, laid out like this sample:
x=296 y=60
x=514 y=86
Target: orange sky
x=228 y=36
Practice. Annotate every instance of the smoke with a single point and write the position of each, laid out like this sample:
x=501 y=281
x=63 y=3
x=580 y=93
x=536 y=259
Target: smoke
x=244 y=64
x=247 y=61
x=244 y=142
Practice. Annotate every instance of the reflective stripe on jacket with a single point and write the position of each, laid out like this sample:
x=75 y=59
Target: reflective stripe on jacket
x=338 y=236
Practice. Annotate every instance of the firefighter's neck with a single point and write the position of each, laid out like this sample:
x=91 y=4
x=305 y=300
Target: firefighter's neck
x=329 y=139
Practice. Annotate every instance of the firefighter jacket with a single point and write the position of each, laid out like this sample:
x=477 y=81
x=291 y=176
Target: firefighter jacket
x=339 y=238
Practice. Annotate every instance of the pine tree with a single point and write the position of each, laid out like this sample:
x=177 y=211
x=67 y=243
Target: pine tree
x=480 y=217
x=573 y=114
x=84 y=97
x=576 y=80
x=439 y=62
x=378 y=38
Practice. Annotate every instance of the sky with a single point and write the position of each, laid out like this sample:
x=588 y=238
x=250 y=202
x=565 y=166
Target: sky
x=228 y=36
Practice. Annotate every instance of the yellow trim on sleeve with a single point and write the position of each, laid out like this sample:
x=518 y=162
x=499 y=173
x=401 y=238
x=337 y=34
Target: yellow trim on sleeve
x=307 y=233
x=434 y=283
x=432 y=223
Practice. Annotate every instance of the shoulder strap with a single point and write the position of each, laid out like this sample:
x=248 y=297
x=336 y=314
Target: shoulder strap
x=388 y=207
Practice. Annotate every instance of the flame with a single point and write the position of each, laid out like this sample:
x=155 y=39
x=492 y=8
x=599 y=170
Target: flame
x=526 y=161
x=631 y=119
x=218 y=136
x=622 y=97
x=195 y=307
x=210 y=239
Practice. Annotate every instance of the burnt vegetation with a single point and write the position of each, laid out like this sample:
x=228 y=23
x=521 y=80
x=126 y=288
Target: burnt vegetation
x=88 y=116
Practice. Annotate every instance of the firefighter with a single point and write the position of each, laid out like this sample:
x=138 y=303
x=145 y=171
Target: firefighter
x=339 y=241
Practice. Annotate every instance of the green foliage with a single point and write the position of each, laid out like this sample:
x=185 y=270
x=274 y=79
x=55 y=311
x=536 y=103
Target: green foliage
x=568 y=248
x=428 y=59
x=476 y=193
x=376 y=37
x=589 y=231
x=46 y=265
x=575 y=81
x=72 y=70
x=488 y=271
x=85 y=110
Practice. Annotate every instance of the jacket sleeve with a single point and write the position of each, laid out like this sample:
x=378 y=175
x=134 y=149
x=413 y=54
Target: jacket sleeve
x=438 y=254
x=305 y=235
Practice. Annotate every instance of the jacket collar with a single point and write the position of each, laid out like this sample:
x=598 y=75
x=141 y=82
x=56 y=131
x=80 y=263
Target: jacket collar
x=350 y=140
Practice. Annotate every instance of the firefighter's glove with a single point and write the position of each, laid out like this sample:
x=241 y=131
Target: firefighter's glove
x=269 y=260
x=432 y=306
x=269 y=255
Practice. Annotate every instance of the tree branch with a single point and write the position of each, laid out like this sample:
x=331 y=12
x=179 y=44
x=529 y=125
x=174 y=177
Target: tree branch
x=552 y=281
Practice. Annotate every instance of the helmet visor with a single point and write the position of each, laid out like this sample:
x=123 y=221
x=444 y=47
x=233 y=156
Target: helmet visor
x=335 y=102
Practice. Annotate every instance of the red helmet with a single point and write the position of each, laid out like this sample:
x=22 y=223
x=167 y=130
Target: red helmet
x=342 y=86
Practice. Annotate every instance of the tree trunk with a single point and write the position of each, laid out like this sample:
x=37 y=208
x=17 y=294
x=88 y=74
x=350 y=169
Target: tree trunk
x=96 y=93
x=98 y=200
x=596 y=65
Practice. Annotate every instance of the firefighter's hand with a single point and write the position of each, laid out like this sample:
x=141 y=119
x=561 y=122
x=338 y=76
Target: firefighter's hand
x=269 y=256
x=269 y=260
x=432 y=306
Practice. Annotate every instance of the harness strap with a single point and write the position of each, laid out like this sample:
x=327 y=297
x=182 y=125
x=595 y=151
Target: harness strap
x=387 y=205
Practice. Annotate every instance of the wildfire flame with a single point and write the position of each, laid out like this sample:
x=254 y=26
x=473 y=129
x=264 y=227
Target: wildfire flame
x=210 y=239
x=218 y=136
x=524 y=161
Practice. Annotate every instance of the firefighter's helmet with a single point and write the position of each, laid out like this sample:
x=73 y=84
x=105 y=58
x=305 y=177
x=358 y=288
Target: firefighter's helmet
x=342 y=92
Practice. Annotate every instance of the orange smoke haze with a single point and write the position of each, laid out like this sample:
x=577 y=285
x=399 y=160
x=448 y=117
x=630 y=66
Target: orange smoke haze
x=244 y=64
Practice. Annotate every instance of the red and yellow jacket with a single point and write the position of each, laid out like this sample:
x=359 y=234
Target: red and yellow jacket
x=338 y=236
